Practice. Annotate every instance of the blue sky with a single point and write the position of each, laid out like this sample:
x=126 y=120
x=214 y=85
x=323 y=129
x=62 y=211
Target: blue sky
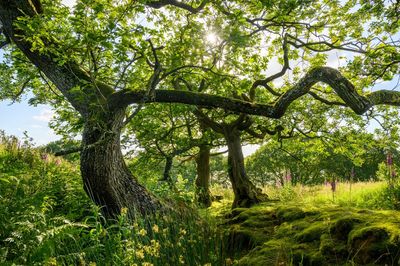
x=19 y=117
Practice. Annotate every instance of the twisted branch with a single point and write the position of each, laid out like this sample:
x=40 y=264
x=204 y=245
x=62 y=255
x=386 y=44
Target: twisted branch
x=342 y=86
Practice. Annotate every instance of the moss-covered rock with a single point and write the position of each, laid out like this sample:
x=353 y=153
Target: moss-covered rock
x=288 y=214
x=332 y=248
x=277 y=234
x=343 y=226
x=312 y=233
x=374 y=244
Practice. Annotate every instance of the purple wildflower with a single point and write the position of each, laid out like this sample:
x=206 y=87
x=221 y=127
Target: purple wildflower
x=44 y=157
x=288 y=177
x=389 y=159
x=333 y=185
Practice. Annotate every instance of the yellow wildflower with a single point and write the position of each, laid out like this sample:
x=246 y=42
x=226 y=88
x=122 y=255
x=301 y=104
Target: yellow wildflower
x=155 y=228
x=182 y=232
x=124 y=211
x=142 y=232
x=181 y=260
x=139 y=254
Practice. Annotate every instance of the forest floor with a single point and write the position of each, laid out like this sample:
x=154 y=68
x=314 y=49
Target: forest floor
x=313 y=226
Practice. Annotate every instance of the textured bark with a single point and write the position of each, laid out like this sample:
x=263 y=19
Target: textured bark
x=203 y=176
x=167 y=170
x=106 y=177
x=107 y=180
x=245 y=191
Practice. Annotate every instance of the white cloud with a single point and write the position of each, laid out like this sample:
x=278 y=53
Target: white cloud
x=45 y=115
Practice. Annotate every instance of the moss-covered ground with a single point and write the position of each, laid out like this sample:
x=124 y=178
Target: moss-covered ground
x=277 y=233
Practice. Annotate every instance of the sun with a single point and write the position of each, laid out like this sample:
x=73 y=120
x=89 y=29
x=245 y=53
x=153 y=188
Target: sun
x=212 y=38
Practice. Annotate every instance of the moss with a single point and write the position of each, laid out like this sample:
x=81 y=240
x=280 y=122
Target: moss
x=273 y=234
x=288 y=214
x=273 y=252
x=373 y=244
x=332 y=248
x=235 y=212
x=342 y=227
x=240 y=240
x=300 y=257
x=312 y=233
x=290 y=229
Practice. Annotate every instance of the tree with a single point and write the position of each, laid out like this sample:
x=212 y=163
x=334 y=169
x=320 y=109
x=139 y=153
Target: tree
x=101 y=60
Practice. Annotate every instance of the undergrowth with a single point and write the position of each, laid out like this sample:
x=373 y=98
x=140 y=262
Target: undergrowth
x=47 y=219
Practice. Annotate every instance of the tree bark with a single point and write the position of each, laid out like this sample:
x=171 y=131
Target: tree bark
x=245 y=191
x=203 y=176
x=167 y=169
x=106 y=178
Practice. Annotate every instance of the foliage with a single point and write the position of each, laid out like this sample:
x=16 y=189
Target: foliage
x=344 y=154
x=46 y=218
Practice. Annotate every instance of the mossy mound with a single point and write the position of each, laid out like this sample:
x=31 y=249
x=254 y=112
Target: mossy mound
x=277 y=234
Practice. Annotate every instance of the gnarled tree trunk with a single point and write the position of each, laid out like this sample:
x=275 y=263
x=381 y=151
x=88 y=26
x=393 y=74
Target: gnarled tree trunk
x=246 y=193
x=203 y=176
x=107 y=180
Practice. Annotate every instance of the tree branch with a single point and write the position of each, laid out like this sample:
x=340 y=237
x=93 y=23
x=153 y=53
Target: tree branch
x=176 y=3
x=298 y=43
x=264 y=82
x=343 y=88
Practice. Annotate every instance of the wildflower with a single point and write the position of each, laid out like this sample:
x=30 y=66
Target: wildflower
x=147 y=264
x=139 y=254
x=52 y=261
x=181 y=260
x=142 y=232
x=58 y=162
x=288 y=177
x=92 y=263
x=333 y=185
x=155 y=228
x=124 y=211
x=389 y=159
x=182 y=232
x=44 y=157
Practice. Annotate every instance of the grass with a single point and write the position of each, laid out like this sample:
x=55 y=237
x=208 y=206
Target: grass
x=361 y=194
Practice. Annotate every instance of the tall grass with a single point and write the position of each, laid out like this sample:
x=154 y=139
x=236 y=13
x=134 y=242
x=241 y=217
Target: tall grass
x=47 y=219
x=372 y=195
